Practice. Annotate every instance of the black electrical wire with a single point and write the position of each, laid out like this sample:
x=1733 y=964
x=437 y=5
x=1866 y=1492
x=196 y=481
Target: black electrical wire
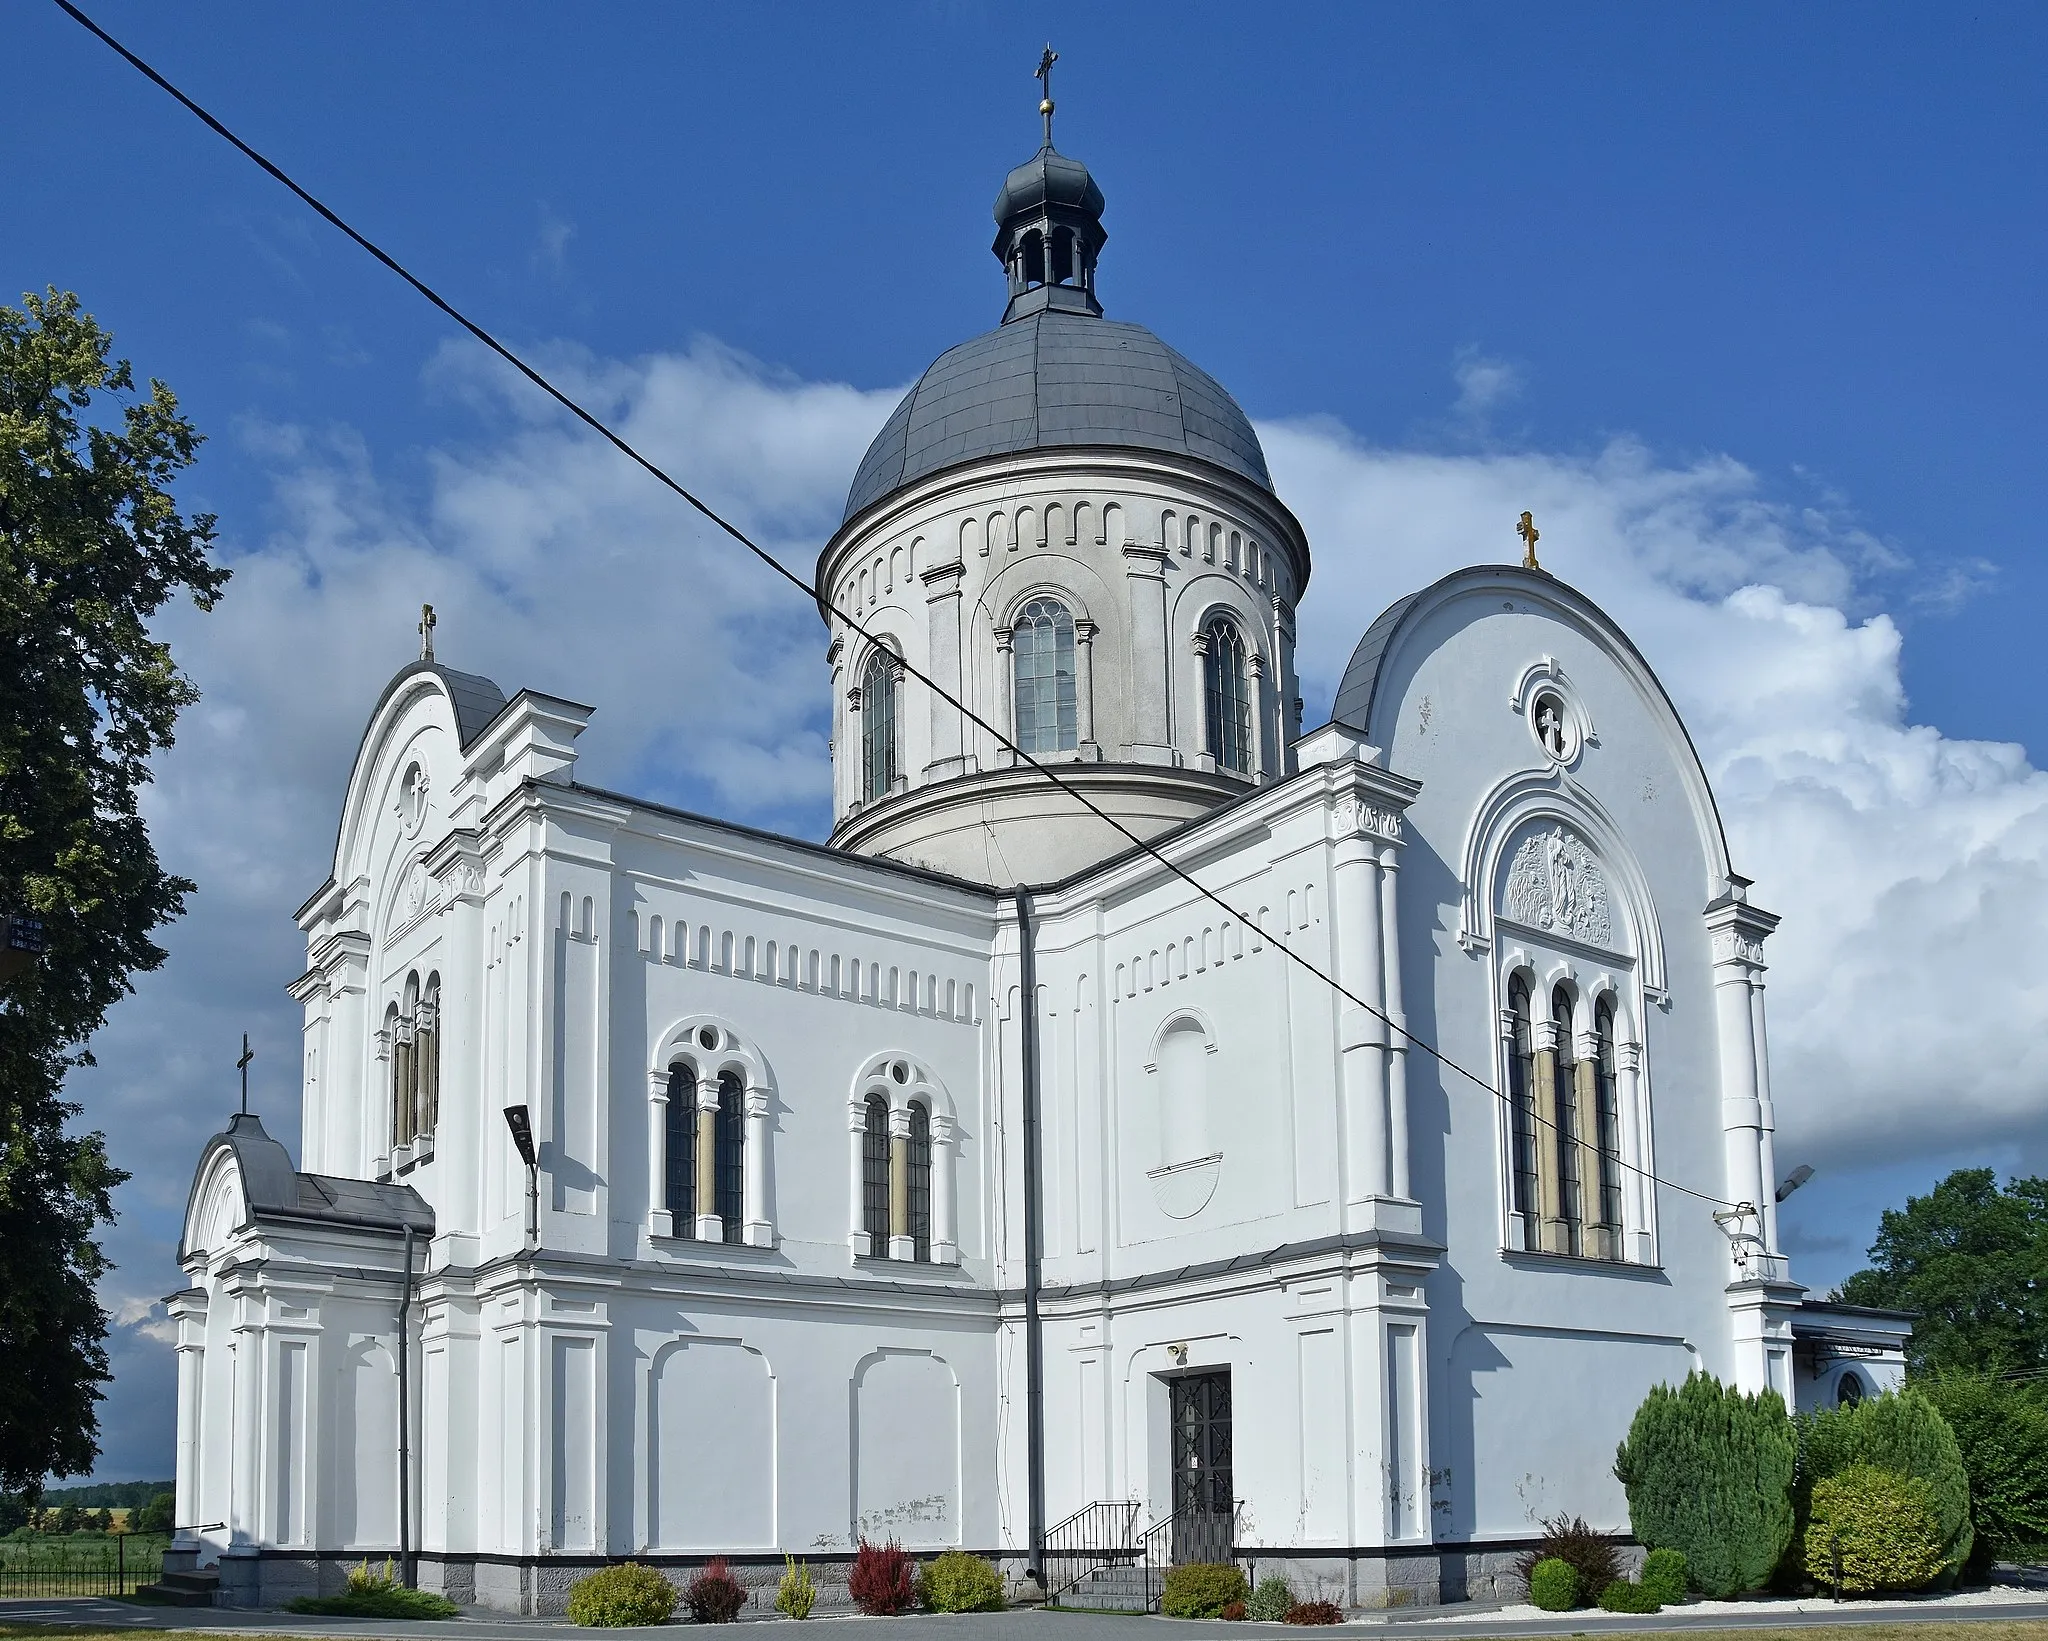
x=627 y=450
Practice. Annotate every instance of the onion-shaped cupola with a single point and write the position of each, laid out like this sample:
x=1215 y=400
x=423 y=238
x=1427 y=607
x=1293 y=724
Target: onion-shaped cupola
x=1049 y=232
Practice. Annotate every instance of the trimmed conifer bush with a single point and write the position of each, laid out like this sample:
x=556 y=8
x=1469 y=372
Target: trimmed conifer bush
x=1708 y=1472
x=1664 y=1575
x=957 y=1582
x=1622 y=1596
x=626 y=1594
x=1553 y=1585
x=1882 y=1526
x=1270 y=1601
x=1201 y=1589
x=1902 y=1432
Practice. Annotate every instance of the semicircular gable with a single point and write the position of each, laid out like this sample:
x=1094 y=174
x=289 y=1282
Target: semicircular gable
x=1370 y=690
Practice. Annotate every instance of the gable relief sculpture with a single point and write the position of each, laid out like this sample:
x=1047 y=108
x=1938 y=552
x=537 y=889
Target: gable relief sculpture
x=1554 y=883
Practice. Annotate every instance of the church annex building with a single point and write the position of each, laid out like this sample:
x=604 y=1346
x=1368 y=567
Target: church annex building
x=670 y=1189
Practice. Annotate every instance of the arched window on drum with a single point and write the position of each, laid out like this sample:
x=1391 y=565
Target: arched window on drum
x=1047 y=709
x=1226 y=695
x=880 y=685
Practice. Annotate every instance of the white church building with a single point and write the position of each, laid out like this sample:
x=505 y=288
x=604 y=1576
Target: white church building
x=974 y=1179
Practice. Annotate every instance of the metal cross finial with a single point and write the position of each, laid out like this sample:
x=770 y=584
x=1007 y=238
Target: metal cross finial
x=242 y=1065
x=1044 y=77
x=426 y=632
x=1530 y=536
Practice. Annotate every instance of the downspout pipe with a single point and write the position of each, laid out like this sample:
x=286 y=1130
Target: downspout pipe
x=1034 y=1328
x=408 y=1571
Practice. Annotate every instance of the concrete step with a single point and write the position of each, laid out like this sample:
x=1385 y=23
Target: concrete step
x=184 y=1589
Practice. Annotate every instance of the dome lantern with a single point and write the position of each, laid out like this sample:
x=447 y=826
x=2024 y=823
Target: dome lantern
x=1049 y=230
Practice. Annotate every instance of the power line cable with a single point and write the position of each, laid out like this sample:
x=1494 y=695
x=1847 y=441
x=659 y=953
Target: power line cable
x=590 y=420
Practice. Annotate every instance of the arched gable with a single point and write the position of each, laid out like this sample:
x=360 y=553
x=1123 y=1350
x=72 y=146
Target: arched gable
x=900 y=1079
x=710 y=1046
x=1369 y=693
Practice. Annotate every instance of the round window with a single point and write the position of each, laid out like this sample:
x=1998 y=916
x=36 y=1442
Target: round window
x=1849 y=1390
x=900 y=1071
x=1552 y=725
x=707 y=1037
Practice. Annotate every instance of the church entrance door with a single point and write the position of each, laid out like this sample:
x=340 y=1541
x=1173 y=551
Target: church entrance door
x=1204 y=1501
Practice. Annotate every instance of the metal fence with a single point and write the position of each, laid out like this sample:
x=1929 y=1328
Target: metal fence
x=115 y=1565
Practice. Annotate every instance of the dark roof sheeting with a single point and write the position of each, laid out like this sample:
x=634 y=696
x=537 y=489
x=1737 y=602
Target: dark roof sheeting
x=276 y=1192
x=1056 y=380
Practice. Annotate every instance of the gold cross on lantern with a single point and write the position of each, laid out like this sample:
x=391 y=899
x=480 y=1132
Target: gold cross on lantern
x=1530 y=536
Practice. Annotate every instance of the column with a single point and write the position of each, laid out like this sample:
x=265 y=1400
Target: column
x=710 y=1228
x=1737 y=956
x=1635 y=1192
x=1361 y=965
x=1397 y=1044
x=857 y=1179
x=1005 y=681
x=1198 y=750
x=1596 y=1237
x=1084 y=685
x=1254 y=684
x=760 y=1230
x=1555 y=1234
x=660 y=1222
x=902 y=1245
x=945 y=1229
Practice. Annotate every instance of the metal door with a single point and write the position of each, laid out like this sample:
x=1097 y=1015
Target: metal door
x=1204 y=1501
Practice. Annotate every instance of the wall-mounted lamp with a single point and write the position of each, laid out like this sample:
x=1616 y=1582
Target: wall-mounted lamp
x=520 y=1121
x=1179 y=1353
x=1798 y=1177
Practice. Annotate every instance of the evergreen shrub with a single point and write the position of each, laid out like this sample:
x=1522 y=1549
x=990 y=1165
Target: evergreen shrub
x=1904 y=1433
x=2001 y=1429
x=1201 y=1589
x=1622 y=1596
x=957 y=1582
x=1590 y=1554
x=376 y=1595
x=1554 y=1585
x=714 y=1596
x=797 y=1594
x=1314 y=1612
x=621 y=1596
x=883 y=1581
x=1885 y=1526
x=1708 y=1472
x=1270 y=1601
x=1664 y=1575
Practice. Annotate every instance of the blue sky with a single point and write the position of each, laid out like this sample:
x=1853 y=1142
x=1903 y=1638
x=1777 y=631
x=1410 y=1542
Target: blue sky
x=1748 y=296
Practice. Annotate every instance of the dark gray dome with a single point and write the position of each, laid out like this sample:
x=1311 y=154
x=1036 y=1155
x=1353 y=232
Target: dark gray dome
x=1048 y=178
x=1052 y=380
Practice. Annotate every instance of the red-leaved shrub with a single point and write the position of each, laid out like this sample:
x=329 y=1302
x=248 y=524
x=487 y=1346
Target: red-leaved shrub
x=1314 y=1612
x=714 y=1596
x=1233 y=1611
x=883 y=1582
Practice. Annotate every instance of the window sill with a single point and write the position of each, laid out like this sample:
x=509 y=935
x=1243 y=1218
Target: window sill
x=1537 y=1259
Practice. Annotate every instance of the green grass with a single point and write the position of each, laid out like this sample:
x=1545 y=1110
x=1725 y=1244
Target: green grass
x=47 y=1552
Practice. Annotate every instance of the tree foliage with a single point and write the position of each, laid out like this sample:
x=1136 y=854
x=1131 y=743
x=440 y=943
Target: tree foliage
x=1877 y=1527
x=1708 y=1471
x=1904 y=1434
x=92 y=546
x=2002 y=1429
x=1971 y=1259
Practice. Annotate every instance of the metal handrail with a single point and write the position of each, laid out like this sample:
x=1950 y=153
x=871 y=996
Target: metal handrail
x=1096 y=1535
x=1155 y=1547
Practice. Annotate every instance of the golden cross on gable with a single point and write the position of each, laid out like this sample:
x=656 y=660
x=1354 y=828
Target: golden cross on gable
x=426 y=632
x=1530 y=536
x=1044 y=77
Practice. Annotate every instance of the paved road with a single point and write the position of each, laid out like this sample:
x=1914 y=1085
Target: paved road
x=1018 y=1626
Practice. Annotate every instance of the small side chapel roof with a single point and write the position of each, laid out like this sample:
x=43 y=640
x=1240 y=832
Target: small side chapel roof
x=476 y=699
x=277 y=1193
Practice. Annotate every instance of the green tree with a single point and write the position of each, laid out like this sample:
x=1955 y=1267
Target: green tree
x=91 y=547
x=159 y=1515
x=1972 y=1261
x=1708 y=1471
x=2002 y=1429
